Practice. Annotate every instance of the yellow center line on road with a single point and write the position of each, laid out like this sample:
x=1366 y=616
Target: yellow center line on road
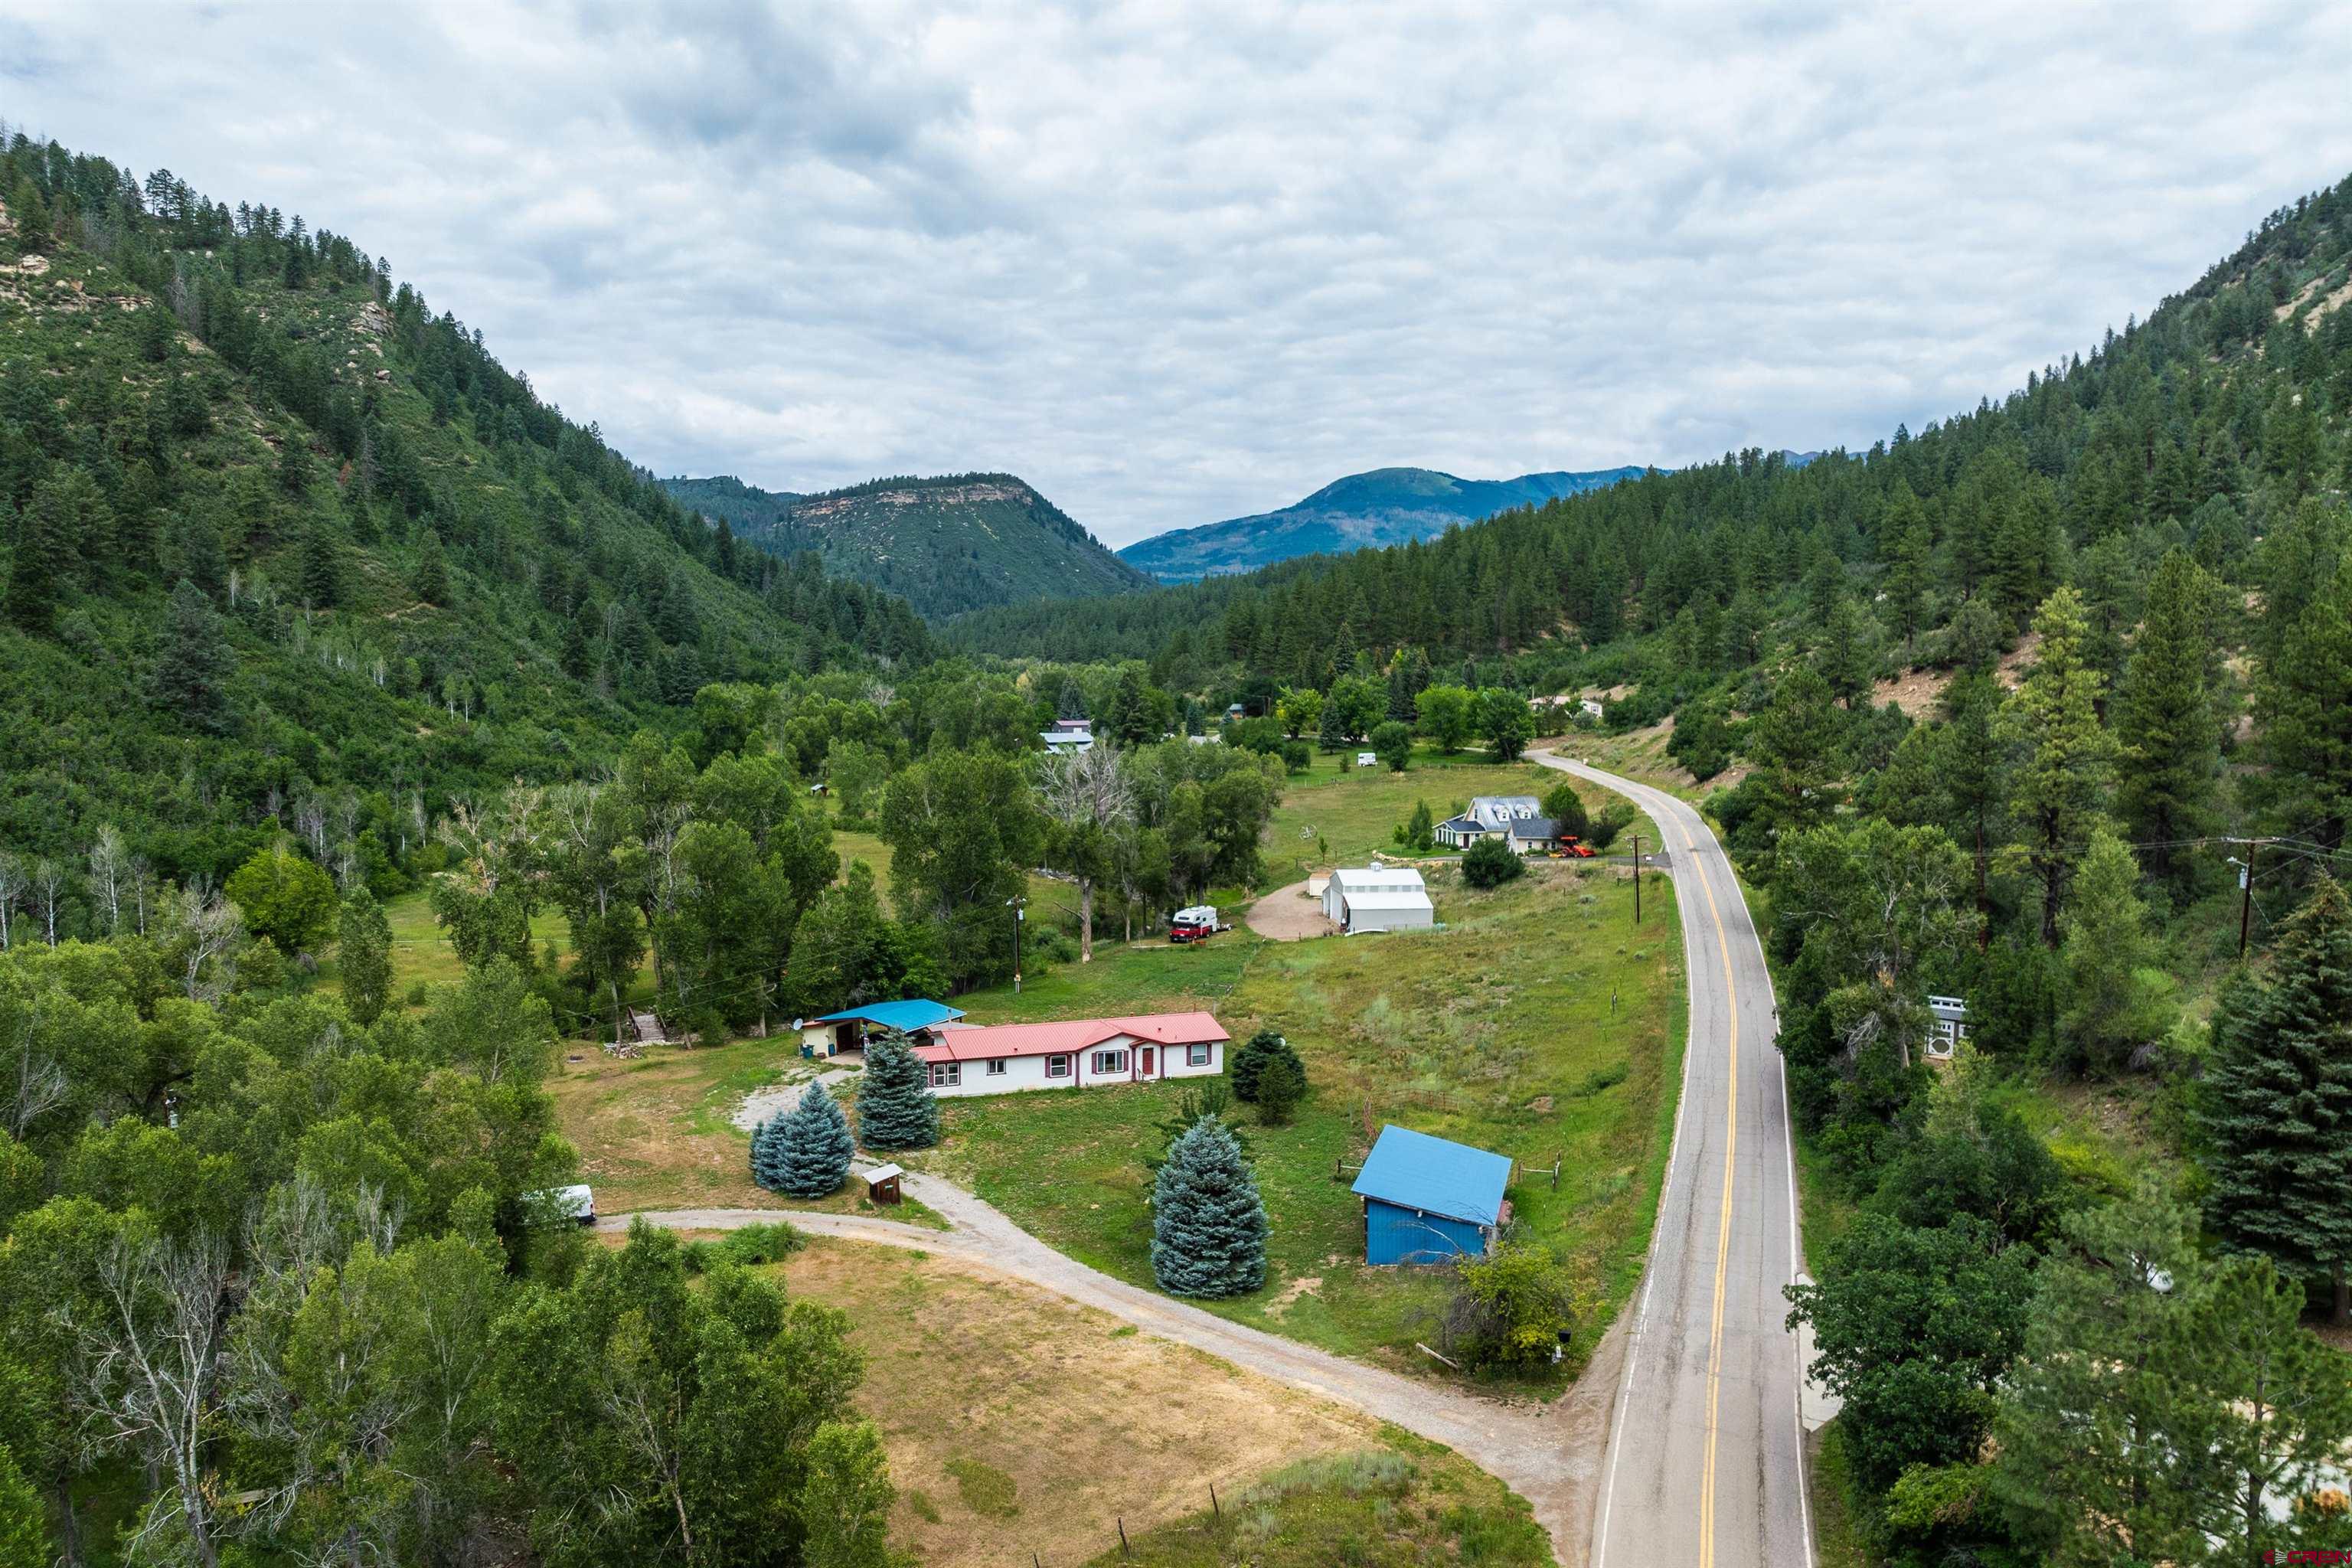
x=1723 y=1226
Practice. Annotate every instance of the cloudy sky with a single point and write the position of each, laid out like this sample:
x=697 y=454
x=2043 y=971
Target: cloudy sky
x=1174 y=263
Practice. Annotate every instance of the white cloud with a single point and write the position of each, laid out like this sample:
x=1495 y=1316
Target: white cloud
x=1175 y=263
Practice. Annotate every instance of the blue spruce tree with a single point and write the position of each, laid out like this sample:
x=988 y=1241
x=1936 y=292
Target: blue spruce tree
x=896 y=1109
x=766 y=1141
x=811 y=1147
x=1208 y=1228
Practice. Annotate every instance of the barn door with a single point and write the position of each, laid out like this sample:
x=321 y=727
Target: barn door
x=1148 y=1053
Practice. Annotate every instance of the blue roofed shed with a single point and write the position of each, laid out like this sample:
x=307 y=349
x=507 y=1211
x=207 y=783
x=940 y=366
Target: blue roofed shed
x=846 y=1030
x=1429 y=1200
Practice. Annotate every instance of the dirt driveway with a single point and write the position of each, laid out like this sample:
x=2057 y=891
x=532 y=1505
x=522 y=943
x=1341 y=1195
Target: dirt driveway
x=1548 y=1454
x=1288 y=914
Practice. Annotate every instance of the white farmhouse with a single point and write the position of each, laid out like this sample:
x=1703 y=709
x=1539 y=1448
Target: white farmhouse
x=1082 y=1053
x=1068 y=735
x=1378 y=897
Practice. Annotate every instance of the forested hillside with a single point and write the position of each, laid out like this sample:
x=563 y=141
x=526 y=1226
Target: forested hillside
x=945 y=545
x=2002 y=709
x=281 y=538
x=1386 y=506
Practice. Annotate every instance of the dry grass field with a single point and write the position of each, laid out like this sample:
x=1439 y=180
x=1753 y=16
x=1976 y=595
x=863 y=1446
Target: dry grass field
x=1016 y=1421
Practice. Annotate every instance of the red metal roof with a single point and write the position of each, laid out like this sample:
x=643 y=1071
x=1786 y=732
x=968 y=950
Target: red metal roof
x=968 y=1042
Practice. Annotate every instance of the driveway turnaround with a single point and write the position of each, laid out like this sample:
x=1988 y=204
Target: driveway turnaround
x=1705 y=1459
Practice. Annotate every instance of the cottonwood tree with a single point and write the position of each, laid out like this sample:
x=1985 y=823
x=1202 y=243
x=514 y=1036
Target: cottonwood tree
x=363 y=956
x=48 y=889
x=1091 y=801
x=650 y=1422
x=1914 y=1330
x=150 y=1376
x=109 y=874
x=16 y=880
x=202 y=933
x=594 y=884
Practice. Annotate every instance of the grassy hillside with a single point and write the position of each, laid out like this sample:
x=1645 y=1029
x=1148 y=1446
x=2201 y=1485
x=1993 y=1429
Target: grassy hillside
x=946 y=545
x=1385 y=506
x=410 y=578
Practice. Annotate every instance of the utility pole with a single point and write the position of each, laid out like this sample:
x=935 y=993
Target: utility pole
x=1020 y=915
x=1637 y=878
x=2246 y=897
x=2246 y=888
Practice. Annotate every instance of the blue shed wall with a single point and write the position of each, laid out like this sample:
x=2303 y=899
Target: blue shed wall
x=1395 y=1234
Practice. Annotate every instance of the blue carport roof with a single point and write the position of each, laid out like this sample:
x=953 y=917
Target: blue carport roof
x=901 y=1015
x=1435 y=1175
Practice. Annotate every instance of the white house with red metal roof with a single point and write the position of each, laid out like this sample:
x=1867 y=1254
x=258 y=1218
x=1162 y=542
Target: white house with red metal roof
x=1002 y=1059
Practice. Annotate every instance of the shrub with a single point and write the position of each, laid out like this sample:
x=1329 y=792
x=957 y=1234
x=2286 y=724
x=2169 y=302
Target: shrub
x=1417 y=834
x=1614 y=818
x=1491 y=863
x=1513 y=1307
x=1297 y=755
x=765 y=1243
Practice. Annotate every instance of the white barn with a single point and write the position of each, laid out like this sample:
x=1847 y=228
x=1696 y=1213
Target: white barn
x=1083 y=1053
x=1378 y=897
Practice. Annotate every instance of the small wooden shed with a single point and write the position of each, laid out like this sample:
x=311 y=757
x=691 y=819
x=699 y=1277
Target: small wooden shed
x=882 y=1184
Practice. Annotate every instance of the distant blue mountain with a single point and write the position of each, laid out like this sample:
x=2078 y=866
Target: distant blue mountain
x=1386 y=506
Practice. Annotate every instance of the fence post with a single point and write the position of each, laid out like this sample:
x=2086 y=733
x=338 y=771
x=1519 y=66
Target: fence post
x=1124 y=1549
x=1215 y=1509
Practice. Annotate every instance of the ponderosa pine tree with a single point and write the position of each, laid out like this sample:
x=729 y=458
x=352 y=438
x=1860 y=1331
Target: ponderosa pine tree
x=1208 y=1226
x=432 y=579
x=2164 y=718
x=2117 y=995
x=1249 y=1063
x=31 y=213
x=810 y=1149
x=896 y=1108
x=321 y=572
x=1280 y=1088
x=2059 y=787
x=2079 y=1460
x=2278 y=1100
x=363 y=956
x=2303 y=699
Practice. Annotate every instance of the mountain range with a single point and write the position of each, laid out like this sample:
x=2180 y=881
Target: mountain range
x=1384 y=506
x=946 y=545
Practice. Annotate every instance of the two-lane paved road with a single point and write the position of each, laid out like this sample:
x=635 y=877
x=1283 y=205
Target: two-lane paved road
x=1705 y=1461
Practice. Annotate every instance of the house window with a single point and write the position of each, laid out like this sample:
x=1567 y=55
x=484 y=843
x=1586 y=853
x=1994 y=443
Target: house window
x=996 y=1067
x=946 y=1075
x=1057 y=1067
x=1196 y=1056
x=1108 y=1062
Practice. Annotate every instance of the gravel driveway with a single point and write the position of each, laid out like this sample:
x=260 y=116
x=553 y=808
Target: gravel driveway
x=1288 y=914
x=1548 y=1454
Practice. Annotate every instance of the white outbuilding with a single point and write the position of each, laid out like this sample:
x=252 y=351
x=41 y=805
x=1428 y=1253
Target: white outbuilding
x=1378 y=897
